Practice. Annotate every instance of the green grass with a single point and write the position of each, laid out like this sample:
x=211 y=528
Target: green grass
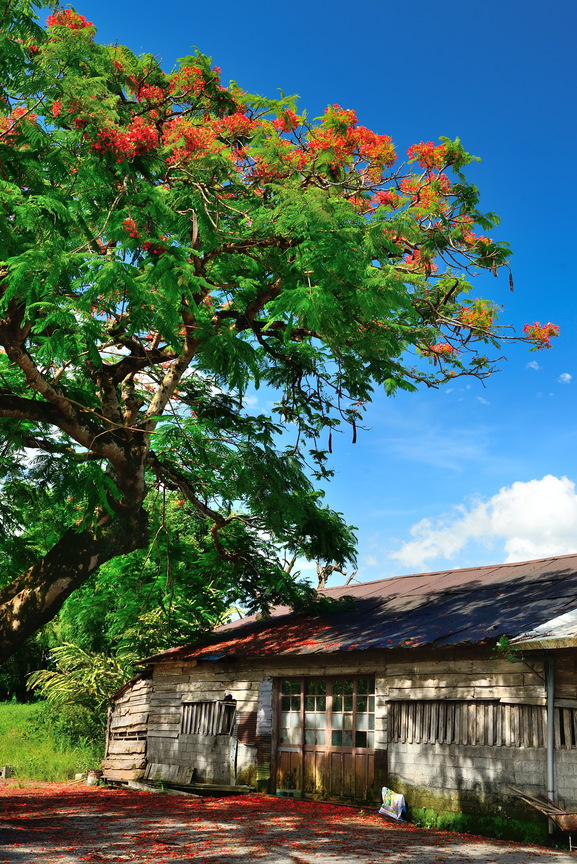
x=36 y=750
x=487 y=826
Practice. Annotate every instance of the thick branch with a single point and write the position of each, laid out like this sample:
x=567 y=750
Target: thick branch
x=34 y=598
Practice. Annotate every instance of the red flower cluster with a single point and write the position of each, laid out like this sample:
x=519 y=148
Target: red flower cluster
x=7 y=123
x=148 y=93
x=477 y=315
x=130 y=225
x=541 y=334
x=235 y=125
x=68 y=18
x=416 y=262
x=388 y=197
x=188 y=140
x=287 y=122
x=140 y=137
x=441 y=349
x=429 y=155
x=189 y=80
x=430 y=193
x=154 y=247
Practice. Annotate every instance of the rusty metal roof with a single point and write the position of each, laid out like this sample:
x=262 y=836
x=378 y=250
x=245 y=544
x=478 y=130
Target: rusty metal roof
x=449 y=607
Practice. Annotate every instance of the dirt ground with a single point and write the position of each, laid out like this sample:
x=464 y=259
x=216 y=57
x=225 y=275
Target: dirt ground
x=66 y=824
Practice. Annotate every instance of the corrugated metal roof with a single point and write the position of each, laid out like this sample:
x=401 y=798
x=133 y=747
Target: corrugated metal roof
x=449 y=607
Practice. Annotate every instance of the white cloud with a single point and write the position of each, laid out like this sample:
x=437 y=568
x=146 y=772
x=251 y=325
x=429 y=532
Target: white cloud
x=483 y=401
x=565 y=378
x=533 y=365
x=526 y=520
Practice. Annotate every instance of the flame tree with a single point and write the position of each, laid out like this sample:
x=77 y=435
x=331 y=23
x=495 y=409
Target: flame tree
x=167 y=245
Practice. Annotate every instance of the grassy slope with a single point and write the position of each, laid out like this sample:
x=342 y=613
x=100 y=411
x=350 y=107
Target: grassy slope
x=40 y=755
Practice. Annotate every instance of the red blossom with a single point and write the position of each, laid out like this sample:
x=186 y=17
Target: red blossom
x=139 y=138
x=130 y=225
x=288 y=121
x=429 y=155
x=68 y=18
x=541 y=334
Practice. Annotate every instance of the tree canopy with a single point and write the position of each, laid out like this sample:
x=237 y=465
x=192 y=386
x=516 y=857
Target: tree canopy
x=168 y=246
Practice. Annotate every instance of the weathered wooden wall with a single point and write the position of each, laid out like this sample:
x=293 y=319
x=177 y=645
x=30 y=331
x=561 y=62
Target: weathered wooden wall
x=127 y=732
x=499 y=705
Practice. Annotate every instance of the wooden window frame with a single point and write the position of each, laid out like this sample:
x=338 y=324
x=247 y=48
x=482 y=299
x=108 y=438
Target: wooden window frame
x=329 y=680
x=208 y=717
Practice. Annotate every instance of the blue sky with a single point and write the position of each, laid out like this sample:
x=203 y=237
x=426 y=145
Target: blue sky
x=470 y=474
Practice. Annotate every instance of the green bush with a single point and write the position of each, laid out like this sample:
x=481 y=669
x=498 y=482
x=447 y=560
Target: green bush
x=42 y=743
x=487 y=826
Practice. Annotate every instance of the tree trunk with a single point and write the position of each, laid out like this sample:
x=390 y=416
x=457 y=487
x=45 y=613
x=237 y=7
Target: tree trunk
x=35 y=597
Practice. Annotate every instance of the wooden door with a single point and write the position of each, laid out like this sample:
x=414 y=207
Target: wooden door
x=326 y=738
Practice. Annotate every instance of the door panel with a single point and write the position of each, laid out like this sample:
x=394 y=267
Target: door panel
x=326 y=738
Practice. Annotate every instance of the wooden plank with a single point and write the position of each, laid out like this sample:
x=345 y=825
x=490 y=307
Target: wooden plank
x=557 y=727
x=427 y=722
x=434 y=730
x=463 y=694
x=124 y=762
x=567 y=724
x=154 y=732
x=491 y=725
x=450 y=727
x=442 y=733
x=516 y=717
x=123 y=774
x=418 y=722
x=124 y=745
x=412 y=721
x=129 y=722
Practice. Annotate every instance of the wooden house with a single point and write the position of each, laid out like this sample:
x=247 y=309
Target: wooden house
x=403 y=686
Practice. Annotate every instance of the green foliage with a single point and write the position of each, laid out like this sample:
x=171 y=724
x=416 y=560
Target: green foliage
x=487 y=826
x=171 y=251
x=43 y=744
x=82 y=678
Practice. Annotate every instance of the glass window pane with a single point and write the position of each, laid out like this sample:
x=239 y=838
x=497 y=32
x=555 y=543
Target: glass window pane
x=320 y=736
x=362 y=721
x=371 y=721
x=337 y=739
x=284 y=719
x=321 y=720
x=309 y=703
x=347 y=721
x=286 y=686
x=337 y=687
x=285 y=703
x=310 y=721
x=349 y=686
x=294 y=720
x=371 y=686
x=362 y=686
x=310 y=736
x=361 y=703
x=296 y=703
x=337 y=703
x=370 y=739
x=371 y=703
x=348 y=703
x=347 y=739
x=322 y=688
x=360 y=739
x=321 y=703
x=296 y=686
x=311 y=687
x=293 y=736
x=337 y=721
